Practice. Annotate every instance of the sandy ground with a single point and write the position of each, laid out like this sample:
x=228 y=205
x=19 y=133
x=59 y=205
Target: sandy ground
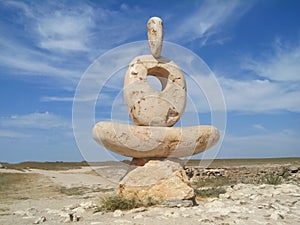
x=49 y=196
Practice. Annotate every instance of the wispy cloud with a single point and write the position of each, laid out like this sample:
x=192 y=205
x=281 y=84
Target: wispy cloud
x=274 y=144
x=106 y=99
x=57 y=99
x=254 y=96
x=207 y=20
x=65 y=30
x=259 y=127
x=13 y=134
x=35 y=120
x=58 y=40
x=281 y=63
x=276 y=87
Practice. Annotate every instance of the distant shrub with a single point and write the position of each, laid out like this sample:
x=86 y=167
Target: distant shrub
x=210 y=192
x=272 y=179
x=112 y=203
x=285 y=173
x=217 y=181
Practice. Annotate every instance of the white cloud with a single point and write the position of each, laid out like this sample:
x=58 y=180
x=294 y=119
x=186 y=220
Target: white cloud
x=60 y=42
x=56 y=99
x=259 y=96
x=259 y=127
x=35 y=120
x=105 y=99
x=276 y=87
x=281 y=64
x=65 y=30
x=266 y=145
x=20 y=5
x=13 y=134
x=208 y=20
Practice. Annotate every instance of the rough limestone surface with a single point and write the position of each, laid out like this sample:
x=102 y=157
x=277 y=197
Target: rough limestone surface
x=161 y=180
x=146 y=141
x=155 y=35
x=146 y=106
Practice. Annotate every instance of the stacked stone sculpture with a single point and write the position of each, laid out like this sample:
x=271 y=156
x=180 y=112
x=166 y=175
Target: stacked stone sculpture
x=153 y=114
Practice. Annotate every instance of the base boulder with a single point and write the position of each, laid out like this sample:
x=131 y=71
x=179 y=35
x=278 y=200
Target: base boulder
x=159 y=180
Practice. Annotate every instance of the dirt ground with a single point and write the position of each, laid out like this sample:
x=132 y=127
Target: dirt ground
x=48 y=193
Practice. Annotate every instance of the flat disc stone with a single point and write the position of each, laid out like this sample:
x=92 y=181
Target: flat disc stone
x=142 y=142
x=149 y=107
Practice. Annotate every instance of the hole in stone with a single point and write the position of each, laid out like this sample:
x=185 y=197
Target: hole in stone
x=154 y=82
x=157 y=78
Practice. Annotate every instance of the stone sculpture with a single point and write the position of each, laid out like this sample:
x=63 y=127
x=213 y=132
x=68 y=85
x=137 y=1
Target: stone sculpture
x=153 y=114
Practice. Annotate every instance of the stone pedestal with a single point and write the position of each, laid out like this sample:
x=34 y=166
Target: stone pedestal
x=159 y=180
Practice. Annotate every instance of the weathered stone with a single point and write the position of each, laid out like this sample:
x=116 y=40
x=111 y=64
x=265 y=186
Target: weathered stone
x=179 y=203
x=160 y=180
x=88 y=205
x=20 y=213
x=137 y=210
x=171 y=214
x=79 y=210
x=155 y=35
x=118 y=213
x=139 y=216
x=143 y=142
x=73 y=217
x=146 y=106
x=294 y=169
x=40 y=220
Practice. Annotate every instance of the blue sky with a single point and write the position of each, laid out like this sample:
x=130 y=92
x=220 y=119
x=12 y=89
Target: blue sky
x=252 y=47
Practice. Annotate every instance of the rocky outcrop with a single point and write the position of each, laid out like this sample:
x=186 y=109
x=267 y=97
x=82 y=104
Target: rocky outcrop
x=160 y=180
x=242 y=174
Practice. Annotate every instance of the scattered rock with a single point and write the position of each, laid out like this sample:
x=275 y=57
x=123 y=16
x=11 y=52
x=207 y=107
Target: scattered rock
x=137 y=210
x=160 y=180
x=73 y=217
x=98 y=213
x=71 y=207
x=53 y=211
x=118 y=213
x=173 y=214
x=294 y=169
x=139 y=216
x=179 y=203
x=20 y=213
x=88 y=205
x=224 y=196
x=78 y=210
x=275 y=216
x=1 y=166
x=40 y=220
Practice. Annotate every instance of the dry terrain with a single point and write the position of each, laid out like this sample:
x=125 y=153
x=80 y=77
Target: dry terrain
x=260 y=191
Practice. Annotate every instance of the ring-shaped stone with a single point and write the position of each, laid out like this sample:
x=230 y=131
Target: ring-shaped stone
x=146 y=106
